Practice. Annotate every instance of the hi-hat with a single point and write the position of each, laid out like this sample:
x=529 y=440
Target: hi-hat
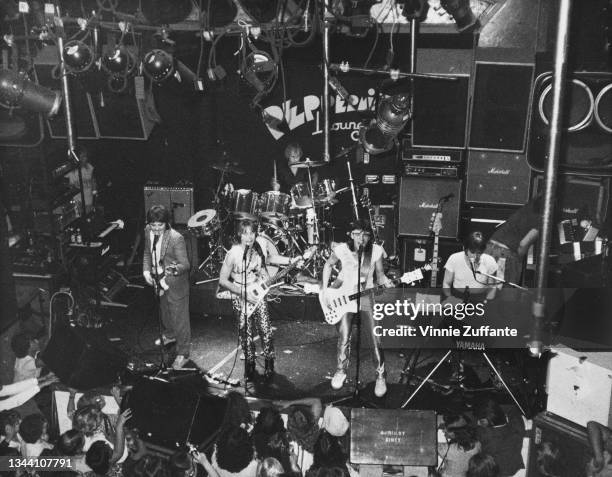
x=228 y=167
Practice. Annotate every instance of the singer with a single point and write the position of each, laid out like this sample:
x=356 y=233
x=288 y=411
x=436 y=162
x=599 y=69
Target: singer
x=245 y=264
x=165 y=266
x=347 y=254
x=462 y=279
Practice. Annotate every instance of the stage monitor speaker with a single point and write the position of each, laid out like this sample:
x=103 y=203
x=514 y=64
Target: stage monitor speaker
x=178 y=200
x=586 y=145
x=579 y=197
x=558 y=445
x=171 y=414
x=419 y=197
x=500 y=105
x=83 y=358
x=500 y=178
x=47 y=72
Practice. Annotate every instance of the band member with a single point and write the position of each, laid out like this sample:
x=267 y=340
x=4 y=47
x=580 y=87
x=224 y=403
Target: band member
x=247 y=255
x=89 y=181
x=510 y=242
x=289 y=173
x=359 y=244
x=166 y=267
x=463 y=279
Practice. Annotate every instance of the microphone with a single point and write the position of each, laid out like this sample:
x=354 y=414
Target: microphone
x=447 y=197
x=472 y=267
x=342 y=92
x=246 y=250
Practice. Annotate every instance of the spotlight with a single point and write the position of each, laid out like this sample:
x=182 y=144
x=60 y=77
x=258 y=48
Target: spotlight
x=17 y=91
x=158 y=65
x=392 y=114
x=462 y=13
x=119 y=61
x=259 y=70
x=78 y=56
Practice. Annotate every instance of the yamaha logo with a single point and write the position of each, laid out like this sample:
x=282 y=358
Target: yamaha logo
x=499 y=172
x=428 y=205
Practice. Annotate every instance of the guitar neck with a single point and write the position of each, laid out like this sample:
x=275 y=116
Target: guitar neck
x=434 y=259
x=280 y=274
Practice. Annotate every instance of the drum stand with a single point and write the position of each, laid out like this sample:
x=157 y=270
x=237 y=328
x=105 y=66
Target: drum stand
x=211 y=267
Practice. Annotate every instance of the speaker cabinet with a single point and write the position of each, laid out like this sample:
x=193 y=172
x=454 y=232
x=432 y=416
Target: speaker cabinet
x=580 y=197
x=586 y=145
x=170 y=414
x=419 y=198
x=500 y=178
x=178 y=200
x=500 y=106
x=83 y=358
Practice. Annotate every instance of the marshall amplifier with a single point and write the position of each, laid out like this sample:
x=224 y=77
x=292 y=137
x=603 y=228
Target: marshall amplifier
x=500 y=178
x=410 y=153
x=438 y=170
x=419 y=198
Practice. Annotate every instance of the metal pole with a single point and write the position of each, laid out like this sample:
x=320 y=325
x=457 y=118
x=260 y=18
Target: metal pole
x=325 y=100
x=552 y=166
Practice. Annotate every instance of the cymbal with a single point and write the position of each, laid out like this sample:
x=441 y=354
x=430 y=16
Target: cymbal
x=306 y=164
x=228 y=167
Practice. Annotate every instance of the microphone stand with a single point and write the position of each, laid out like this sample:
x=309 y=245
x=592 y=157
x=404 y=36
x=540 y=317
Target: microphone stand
x=244 y=311
x=501 y=280
x=163 y=369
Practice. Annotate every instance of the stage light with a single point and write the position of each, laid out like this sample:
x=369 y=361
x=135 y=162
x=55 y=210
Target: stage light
x=120 y=61
x=17 y=91
x=259 y=70
x=392 y=114
x=462 y=13
x=158 y=65
x=78 y=56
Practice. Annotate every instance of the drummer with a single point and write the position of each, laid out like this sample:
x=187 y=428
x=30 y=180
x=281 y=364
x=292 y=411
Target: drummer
x=291 y=174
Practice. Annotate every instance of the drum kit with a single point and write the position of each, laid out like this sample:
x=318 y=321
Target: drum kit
x=290 y=223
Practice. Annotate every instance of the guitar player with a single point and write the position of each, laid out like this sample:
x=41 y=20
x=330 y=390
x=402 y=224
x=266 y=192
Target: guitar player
x=372 y=261
x=232 y=277
x=165 y=266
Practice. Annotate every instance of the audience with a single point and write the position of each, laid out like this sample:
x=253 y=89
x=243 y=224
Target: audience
x=234 y=455
x=27 y=364
x=600 y=440
x=461 y=446
x=270 y=467
x=482 y=465
x=34 y=433
x=9 y=430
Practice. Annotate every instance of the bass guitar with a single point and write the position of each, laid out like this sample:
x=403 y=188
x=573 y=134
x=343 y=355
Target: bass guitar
x=344 y=299
x=261 y=288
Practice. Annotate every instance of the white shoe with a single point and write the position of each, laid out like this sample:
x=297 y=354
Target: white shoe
x=338 y=380
x=167 y=341
x=179 y=361
x=380 y=388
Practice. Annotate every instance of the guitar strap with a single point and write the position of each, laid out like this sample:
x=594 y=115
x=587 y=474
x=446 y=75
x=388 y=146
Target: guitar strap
x=365 y=265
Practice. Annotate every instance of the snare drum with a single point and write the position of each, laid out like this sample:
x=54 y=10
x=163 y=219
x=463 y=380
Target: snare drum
x=324 y=191
x=300 y=193
x=275 y=205
x=244 y=204
x=204 y=223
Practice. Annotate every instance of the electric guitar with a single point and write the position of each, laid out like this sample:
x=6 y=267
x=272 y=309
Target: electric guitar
x=435 y=226
x=261 y=288
x=343 y=300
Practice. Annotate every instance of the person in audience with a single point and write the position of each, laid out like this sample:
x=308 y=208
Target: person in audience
x=303 y=431
x=91 y=405
x=461 y=446
x=270 y=467
x=16 y=394
x=328 y=453
x=482 y=465
x=27 y=364
x=149 y=466
x=462 y=280
x=237 y=412
x=34 y=433
x=9 y=431
x=600 y=440
x=234 y=455
x=181 y=464
x=501 y=435
x=103 y=456
x=268 y=423
x=548 y=460
x=71 y=443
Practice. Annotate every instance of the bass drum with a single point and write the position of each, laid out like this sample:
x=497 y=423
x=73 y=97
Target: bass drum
x=276 y=236
x=273 y=245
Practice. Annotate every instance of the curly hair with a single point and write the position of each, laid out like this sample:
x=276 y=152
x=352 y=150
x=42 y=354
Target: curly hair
x=234 y=449
x=302 y=427
x=328 y=452
x=88 y=420
x=237 y=411
x=70 y=442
